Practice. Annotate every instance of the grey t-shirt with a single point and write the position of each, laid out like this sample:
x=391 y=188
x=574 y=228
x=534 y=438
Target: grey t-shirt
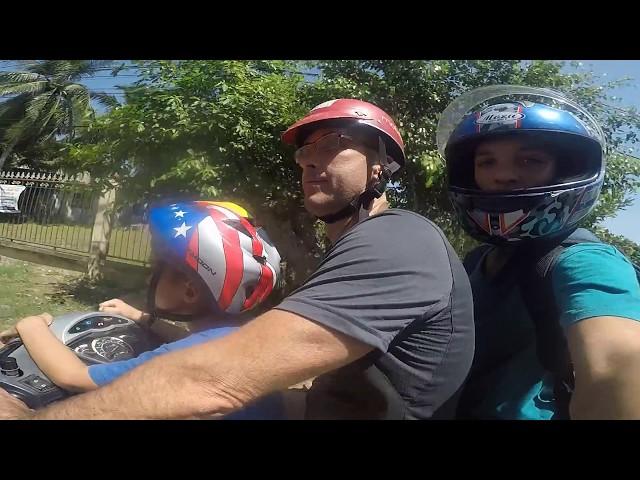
x=392 y=282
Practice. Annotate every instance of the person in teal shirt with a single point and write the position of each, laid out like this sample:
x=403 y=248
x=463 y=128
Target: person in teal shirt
x=525 y=166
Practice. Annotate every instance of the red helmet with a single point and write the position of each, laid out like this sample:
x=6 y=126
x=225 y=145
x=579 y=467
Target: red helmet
x=363 y=112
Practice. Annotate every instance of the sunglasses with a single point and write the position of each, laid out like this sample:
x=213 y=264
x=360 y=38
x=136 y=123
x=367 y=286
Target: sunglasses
x=330 y=143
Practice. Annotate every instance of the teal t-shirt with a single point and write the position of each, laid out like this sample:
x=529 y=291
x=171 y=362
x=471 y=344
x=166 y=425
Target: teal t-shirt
x=506 y=379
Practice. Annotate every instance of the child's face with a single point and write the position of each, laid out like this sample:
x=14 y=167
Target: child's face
x=511 y=164
x=175 y=293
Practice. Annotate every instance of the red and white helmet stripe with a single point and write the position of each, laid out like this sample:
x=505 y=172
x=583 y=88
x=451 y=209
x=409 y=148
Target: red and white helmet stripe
x=237 y=262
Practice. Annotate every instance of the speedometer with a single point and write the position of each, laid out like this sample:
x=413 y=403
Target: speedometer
x=112 y=348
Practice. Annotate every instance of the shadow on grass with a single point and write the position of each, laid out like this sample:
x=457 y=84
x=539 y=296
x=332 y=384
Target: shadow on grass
x=93 y=292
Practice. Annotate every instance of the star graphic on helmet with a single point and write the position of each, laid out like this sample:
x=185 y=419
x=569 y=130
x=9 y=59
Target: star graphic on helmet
x=181 y=230
x=179 y=213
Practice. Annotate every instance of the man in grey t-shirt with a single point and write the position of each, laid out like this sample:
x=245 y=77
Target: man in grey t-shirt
x=385 y=323
x=390 y=280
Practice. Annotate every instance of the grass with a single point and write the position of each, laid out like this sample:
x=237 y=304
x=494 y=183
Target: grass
x=127 y=243
x=27 y=288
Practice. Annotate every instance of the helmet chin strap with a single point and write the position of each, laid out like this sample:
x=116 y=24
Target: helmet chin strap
x=362 y=202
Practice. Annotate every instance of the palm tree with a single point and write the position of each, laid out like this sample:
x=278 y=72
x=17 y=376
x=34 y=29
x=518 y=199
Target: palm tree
x=46 y=101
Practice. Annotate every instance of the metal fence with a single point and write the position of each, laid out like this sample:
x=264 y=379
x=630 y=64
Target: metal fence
x=131 y=243
x=58 y=212
x=52 y=211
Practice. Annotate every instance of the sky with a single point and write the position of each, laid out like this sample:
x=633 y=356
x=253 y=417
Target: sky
x=626 y=222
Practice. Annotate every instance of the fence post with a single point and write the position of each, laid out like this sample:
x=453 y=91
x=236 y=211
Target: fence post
x=100 y=235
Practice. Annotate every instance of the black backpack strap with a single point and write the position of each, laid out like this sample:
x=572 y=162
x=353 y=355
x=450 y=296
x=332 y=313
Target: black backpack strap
x=547 y=255
x=636 y=267
x=534 y=267
x=551 y=344
x=474 y=257
x=580 y=235
x=537 y=293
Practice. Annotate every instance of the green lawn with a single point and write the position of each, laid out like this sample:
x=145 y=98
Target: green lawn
x=127 y=243
x=27 y=288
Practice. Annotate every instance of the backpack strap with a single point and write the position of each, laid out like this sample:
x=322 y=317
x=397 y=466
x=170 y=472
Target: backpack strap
x=534 y=267
x=537 y=293
x=473 y=258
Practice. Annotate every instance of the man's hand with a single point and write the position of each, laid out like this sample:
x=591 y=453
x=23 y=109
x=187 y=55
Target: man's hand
x=118 y=307
x=13 y=409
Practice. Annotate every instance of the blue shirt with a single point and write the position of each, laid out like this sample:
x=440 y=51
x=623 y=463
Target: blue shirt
x=507 y=380
x=267 y=408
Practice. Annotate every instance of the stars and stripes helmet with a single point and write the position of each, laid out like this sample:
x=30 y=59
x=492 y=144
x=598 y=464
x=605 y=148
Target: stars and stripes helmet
x=219 y=242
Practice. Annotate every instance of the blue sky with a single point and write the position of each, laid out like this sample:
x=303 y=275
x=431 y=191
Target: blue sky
x=105 y=82
x=627 y=222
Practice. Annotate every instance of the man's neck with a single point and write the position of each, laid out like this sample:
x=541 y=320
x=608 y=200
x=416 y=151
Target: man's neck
x=336 y=229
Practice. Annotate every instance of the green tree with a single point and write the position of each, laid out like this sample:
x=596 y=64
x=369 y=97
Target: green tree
x=415 y=92
x=208 y=129
x=212 y=128
x=46 y=102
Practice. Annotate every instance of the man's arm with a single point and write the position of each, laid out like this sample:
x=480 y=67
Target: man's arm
x=55 y=359
x=270 y=353
x=606 y=355
x=598 y=298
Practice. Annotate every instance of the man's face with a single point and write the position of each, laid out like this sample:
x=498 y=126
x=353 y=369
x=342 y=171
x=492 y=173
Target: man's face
x=511 y=164
x=334 y=170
